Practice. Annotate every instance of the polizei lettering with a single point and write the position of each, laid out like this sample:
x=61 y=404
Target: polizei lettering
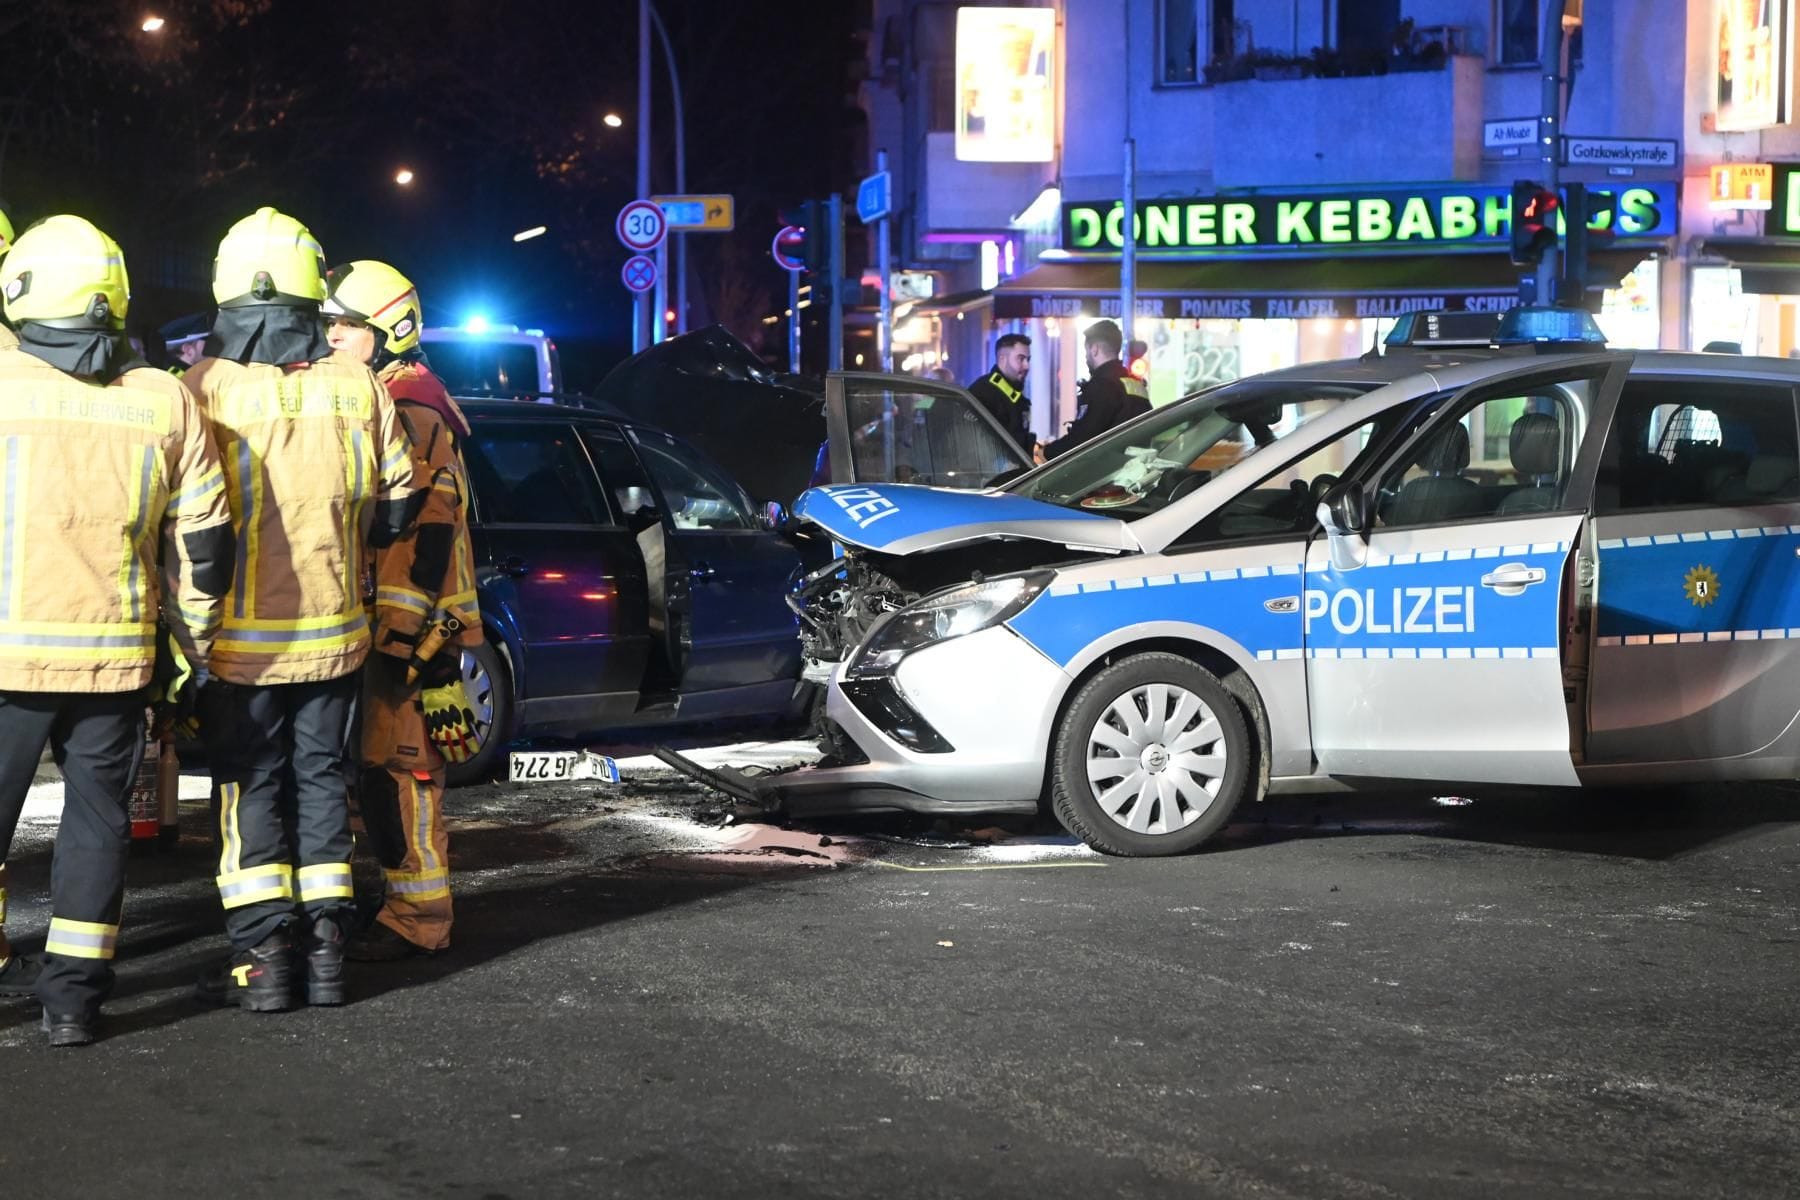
x=1400 y=611
x=865 y=506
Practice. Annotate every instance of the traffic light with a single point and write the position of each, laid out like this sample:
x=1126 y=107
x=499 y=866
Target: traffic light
x=1583 y=210
x=814 y=221
x=1534 y=212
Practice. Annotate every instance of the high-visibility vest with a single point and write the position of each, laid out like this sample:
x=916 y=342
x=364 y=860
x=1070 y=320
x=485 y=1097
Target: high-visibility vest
x=97 y=482
x=310 y=451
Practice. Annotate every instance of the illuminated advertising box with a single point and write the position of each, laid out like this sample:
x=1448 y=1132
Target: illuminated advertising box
x=1005 y=85
x=1753 y=58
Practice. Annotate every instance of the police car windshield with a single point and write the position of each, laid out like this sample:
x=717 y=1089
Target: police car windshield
x=1142 y=468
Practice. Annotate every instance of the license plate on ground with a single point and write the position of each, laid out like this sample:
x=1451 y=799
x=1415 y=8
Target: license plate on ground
x=556 y=766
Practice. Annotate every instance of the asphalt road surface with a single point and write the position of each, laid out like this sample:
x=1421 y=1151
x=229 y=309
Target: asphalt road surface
x=1361 y=997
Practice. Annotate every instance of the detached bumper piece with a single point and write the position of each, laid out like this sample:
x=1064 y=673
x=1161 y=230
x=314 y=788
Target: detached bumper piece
x=733 y=783
x=881 y=702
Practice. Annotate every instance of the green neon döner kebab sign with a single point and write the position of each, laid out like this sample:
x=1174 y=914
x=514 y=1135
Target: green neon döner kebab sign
x=1476 y=215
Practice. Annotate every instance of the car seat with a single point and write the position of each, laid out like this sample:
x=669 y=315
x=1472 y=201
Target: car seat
x=1535 y=445
x=1442 y=492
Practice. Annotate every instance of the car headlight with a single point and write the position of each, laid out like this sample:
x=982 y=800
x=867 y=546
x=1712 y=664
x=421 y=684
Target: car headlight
x=948 y=614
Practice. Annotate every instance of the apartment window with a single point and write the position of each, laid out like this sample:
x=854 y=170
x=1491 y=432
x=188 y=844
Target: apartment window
x=1517 y=35
x=1190 y=34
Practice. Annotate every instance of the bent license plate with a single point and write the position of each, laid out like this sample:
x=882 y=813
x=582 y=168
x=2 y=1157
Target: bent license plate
x=555 y=766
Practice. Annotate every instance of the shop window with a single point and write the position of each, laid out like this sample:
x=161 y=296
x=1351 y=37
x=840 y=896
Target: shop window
x=1505 y=456
x=1698 y=444
x=1517 y=36
x=1191 y=34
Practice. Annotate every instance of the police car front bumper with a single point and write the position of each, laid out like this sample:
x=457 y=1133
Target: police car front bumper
x=962 y=726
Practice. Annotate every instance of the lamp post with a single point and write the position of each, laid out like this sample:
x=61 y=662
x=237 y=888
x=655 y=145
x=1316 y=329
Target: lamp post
x=680 y=255
x=640 y=328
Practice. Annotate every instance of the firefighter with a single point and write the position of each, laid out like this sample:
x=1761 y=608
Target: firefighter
x=18 y=972
x=316 y=471
x=415 y=714
x=106 y=461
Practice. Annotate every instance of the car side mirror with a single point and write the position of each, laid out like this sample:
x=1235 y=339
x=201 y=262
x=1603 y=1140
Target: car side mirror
x=1347 y=516
x=774 y=516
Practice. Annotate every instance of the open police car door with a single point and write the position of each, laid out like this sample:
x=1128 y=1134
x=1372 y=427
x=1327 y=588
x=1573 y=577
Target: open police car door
x=1435 y=609
x=897 y=429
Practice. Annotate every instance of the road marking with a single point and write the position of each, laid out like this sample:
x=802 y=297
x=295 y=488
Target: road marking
x=876 y=862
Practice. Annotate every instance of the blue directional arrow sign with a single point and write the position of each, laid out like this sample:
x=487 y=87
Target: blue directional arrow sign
x=875 y=197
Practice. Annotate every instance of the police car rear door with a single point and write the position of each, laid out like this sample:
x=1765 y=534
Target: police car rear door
x=1434 y=637
x=1697 y=541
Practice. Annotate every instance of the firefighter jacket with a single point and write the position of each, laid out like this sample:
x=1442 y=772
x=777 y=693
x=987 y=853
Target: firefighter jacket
x=8 y=339
x=316 y=471
x=428 y=573
x=97 y=484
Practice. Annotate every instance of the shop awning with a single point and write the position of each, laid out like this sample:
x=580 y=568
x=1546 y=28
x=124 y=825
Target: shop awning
x=1250 y=289
x=1767 y=265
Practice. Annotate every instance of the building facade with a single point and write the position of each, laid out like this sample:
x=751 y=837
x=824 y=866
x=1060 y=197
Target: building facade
x=1305 y=171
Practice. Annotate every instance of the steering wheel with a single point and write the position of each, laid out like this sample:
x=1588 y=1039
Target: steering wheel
x=1176 y=484
x=1321 y=485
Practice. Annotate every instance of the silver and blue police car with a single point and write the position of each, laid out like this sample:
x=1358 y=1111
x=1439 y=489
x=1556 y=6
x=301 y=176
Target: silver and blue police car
x=1518 y=568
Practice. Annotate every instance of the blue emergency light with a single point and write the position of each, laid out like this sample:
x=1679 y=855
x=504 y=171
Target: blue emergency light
x=1532 y=324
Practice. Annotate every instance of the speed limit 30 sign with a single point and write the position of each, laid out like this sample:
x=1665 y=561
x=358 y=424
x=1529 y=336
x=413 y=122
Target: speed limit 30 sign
x=642 y=226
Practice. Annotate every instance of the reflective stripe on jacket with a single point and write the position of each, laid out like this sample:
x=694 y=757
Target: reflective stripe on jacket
x=96 y=484
x=313 y=459
x=429 y=572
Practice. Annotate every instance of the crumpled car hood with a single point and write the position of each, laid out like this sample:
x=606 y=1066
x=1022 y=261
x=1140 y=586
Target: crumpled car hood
x=901 y=518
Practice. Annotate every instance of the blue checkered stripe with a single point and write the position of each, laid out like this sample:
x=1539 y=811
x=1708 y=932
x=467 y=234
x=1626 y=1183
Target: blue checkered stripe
x=1644 y=590
x=1072 y=615
x=1430 y=605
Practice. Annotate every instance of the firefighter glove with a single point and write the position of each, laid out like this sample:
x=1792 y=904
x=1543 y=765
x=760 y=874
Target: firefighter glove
x=450 y=721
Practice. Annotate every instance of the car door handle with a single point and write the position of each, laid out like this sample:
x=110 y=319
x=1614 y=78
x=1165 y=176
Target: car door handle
x=1513 y=578
x=515 y=566
x=702 y=571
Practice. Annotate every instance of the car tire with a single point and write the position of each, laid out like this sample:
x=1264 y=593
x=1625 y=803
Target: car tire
x=490 y=688
x=1163 y=796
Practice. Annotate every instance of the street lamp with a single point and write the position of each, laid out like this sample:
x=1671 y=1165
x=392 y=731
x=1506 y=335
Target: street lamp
x=403 y=176
x=153 y=24
x=525 y=235
x=612 y=120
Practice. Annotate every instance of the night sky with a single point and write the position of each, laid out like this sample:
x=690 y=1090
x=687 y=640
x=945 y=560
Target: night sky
x=165 y=138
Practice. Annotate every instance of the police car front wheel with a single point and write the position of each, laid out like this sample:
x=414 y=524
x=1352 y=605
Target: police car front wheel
x=1152 y=756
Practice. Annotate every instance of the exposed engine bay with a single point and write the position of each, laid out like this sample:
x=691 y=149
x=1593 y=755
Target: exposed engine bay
x=840 y=602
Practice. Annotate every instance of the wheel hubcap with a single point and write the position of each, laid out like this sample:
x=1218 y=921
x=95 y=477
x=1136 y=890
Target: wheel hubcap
x=1156 y=759
x=480 y=688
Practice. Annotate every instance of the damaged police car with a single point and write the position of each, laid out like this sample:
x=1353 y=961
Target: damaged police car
x=1544 y=570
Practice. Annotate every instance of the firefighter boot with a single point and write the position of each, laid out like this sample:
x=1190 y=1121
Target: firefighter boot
x=260 y=979
x=18 y=975
x=69 y=1029
x=325 y=963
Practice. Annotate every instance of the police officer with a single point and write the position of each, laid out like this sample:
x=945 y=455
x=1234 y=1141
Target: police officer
x=1002 y=390
x=184 y=341
x=1109 y=396
x=415 y=714
x=106 y=462
x=316 y=470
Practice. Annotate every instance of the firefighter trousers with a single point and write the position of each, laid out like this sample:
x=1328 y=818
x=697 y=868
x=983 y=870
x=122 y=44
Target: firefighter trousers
x=401 y=796
x=97 y=740
x=278 y=756
x=404 y=816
